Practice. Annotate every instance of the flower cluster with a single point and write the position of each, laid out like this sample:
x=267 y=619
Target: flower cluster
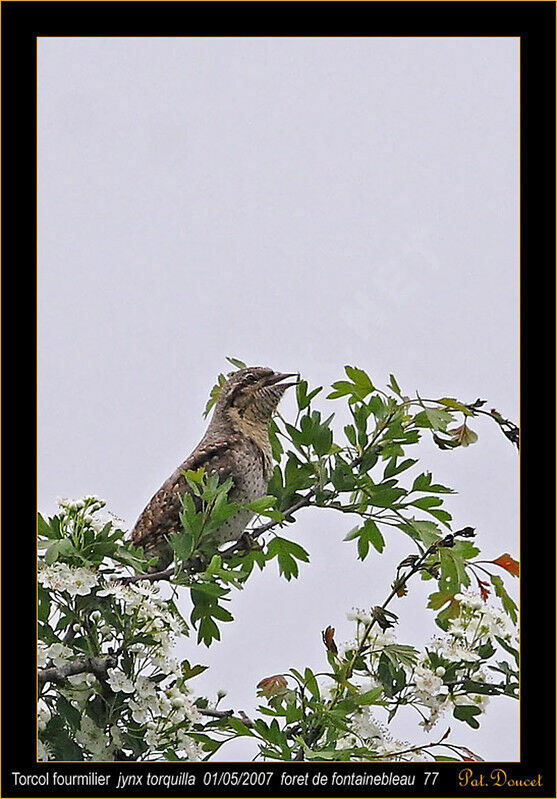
x=72 y=580
x=448 y=675
x=138 y=706
x=112 y=689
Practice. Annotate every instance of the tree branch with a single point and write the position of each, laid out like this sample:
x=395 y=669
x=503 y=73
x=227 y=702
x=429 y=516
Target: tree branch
x=226 y=714
x=93 y=665
x=194 y=566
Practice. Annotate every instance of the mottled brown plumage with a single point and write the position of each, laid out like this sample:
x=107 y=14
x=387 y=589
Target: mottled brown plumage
x=236 y=444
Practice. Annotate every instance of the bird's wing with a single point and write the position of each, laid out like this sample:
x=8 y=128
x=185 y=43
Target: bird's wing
x=161 y=517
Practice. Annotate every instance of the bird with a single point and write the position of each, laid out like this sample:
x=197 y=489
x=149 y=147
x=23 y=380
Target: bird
x=236 y=445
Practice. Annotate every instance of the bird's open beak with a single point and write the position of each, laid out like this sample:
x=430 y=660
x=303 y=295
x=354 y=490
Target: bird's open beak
x=278 y=377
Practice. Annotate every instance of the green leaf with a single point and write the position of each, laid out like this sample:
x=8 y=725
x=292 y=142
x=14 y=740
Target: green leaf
x=209 y=589
x=440 y=598
x=44 y=529
x=222 y=509
x=433 y=418
x=342 y=388
x=64 y=748
x=350 y=434
x=208 y=632
x=425 y=503
x=360 y=379
x=276 y=445
x=386 y=497
x=369 y=697
x=467 y=713
x=372 y=533
x=188 y=671
x=311 y=683
x=363 y=547
x=60 y=549
x=302 y=397
x=354 y=533
x=236 y=362
x=465 y=550
x=487 y=650
x=509 y=605
x=423 y=483
x=476 y=687
x=286 y=553
x=183 y=545
x=394 y=385
x=68 y=712
x=220 y=613
x=455 y=405
x=322 y=440
x=393 y=467
x=342 y=476
x=44 y=603
x=442 y=515
x=238 y=726
x=401 y=654
x=453 y=571
x=510 y=649
x=214 y=395
x=428 y=532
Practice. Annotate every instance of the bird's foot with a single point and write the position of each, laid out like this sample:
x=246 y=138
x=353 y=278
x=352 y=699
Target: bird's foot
x=198 y=563
x=247 y=542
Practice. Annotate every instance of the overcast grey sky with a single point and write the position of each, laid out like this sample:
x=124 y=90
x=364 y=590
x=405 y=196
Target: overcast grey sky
x=298 y=203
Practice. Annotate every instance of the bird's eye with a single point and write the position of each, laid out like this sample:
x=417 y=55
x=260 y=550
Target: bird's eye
x=250 y=379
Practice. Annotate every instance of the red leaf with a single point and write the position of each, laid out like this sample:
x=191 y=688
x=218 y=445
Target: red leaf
x=329 y=639
x=463 y=435
x=484 y=588
x=509 y=564
x=271 y=686
x=472 y=755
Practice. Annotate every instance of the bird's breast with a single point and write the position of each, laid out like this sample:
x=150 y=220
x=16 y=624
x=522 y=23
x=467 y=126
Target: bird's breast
x=249 y=480
x=255 y=435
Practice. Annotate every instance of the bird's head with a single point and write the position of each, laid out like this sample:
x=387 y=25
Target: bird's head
x=253 y=393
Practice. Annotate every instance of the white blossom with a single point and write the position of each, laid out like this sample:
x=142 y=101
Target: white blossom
x=42 y=656
x=118 y=681
x=139 y=712
x=90 y=736
x=437 y=708
x=61 y=577
x=43 y=751
x=190 y=748
x=470 y=599
x=457 y=627
x=359 y=615
x=496 y=623
x=83 y=580
x=59 y=654
x=427 y=682
x=43 y=717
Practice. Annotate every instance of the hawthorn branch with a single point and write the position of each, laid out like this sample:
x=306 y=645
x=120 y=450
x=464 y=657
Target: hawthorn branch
x=290 y=731
x=379 y=617
x=263 y=528
x=150 y=577
x=226 y=714
x=193 y=565
x=92 y=665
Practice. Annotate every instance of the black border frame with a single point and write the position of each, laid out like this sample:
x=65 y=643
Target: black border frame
x=534 y=23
